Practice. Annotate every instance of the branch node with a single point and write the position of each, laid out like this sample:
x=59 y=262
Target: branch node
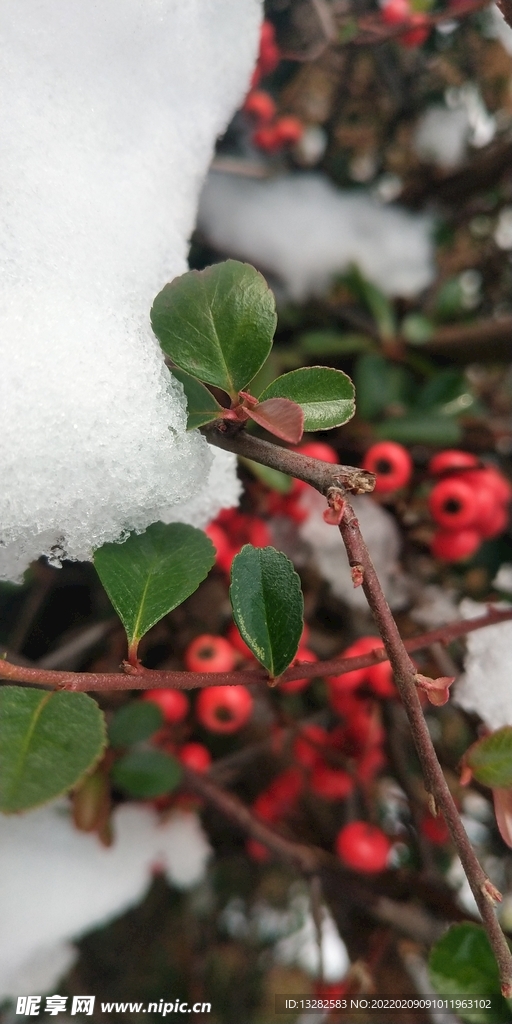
x=491 y=893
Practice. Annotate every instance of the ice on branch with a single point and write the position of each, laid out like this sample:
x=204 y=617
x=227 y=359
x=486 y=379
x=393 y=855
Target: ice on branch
x=304 y=230
x=110 y=114
x=485 y=687
x=63 y=883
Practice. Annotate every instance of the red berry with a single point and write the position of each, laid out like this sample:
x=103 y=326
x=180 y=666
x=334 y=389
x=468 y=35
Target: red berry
x=307 y=748
x=370 y=764
x=173 y=704
x=219 y=541
x=286 y=788
x=435 y=829
x=452 y=503
x=258 y=532
x=195 y=756
x=351 y=680
x=391 y=464
x=395 y=11
x=331 y=783
x=260 y=105
x=491 y=478
x=363 y=847
x=418 y=33
x=210 y=654
x=380 y=678
x=257 y=851
x=455 y=545
x=224 y=709
x=494 y=524
x=269 y=55
x=451 y=458
x=318 y=450
x=266 y=807
x=295 y=685
x=267 y=139
x=289 y=130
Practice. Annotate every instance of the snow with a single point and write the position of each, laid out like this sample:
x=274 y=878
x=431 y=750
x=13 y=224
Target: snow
x=497 y=28
x=109 y=118
x=62 y=883
x=442 y=136
x=485 y=687
x=382 y=537
x=304 y=230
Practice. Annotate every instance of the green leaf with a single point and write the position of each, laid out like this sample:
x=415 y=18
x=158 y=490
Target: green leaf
x=146 y=774
x=202 y=407
x=446 y=394
x=152 y=573
x=449 y=301
x=325 y=395
x=273 y=478
x=217 y=324
x=462 y=964
x=380 y=384
x=375 y=301
x=442 y=431
x=268 y=607
x=416 y=329
x=490 y=759
x=330 y=343
x=134 y=722
x=48 y=743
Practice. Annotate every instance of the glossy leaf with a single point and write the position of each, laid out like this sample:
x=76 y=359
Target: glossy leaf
x=267 y=605
x=462 y=964
x=146 y=774
x=217 y=324
x=490 y=759
x=281 y=417
x=153 y=572
x=326 y=396
x=503 y=811
x=134 y=722
x=202 y=407
x=48 y=743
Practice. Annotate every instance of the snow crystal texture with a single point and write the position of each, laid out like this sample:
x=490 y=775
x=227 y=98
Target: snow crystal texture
x=304 y=230
x=109 y=118
x=485 y=686
x=63 y=883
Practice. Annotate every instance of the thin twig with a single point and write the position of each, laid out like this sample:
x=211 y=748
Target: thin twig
x=404 y=672
x=142 y=678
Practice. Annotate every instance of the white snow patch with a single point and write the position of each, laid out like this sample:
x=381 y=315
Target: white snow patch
x=62 y=883
x=442 y=136
x=497 y=28
x=300 y=949
x=485 y=687
x=382 y=537
x=304 y=230
x=109 y=120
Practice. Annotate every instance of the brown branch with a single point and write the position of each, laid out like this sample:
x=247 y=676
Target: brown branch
x=404 y=673
x=320 y=475
x=154 y=679
x=308 y=858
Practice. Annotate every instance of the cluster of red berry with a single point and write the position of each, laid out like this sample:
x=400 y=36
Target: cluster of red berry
x=396 y=12
x=468 y=503
x=272 y=133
